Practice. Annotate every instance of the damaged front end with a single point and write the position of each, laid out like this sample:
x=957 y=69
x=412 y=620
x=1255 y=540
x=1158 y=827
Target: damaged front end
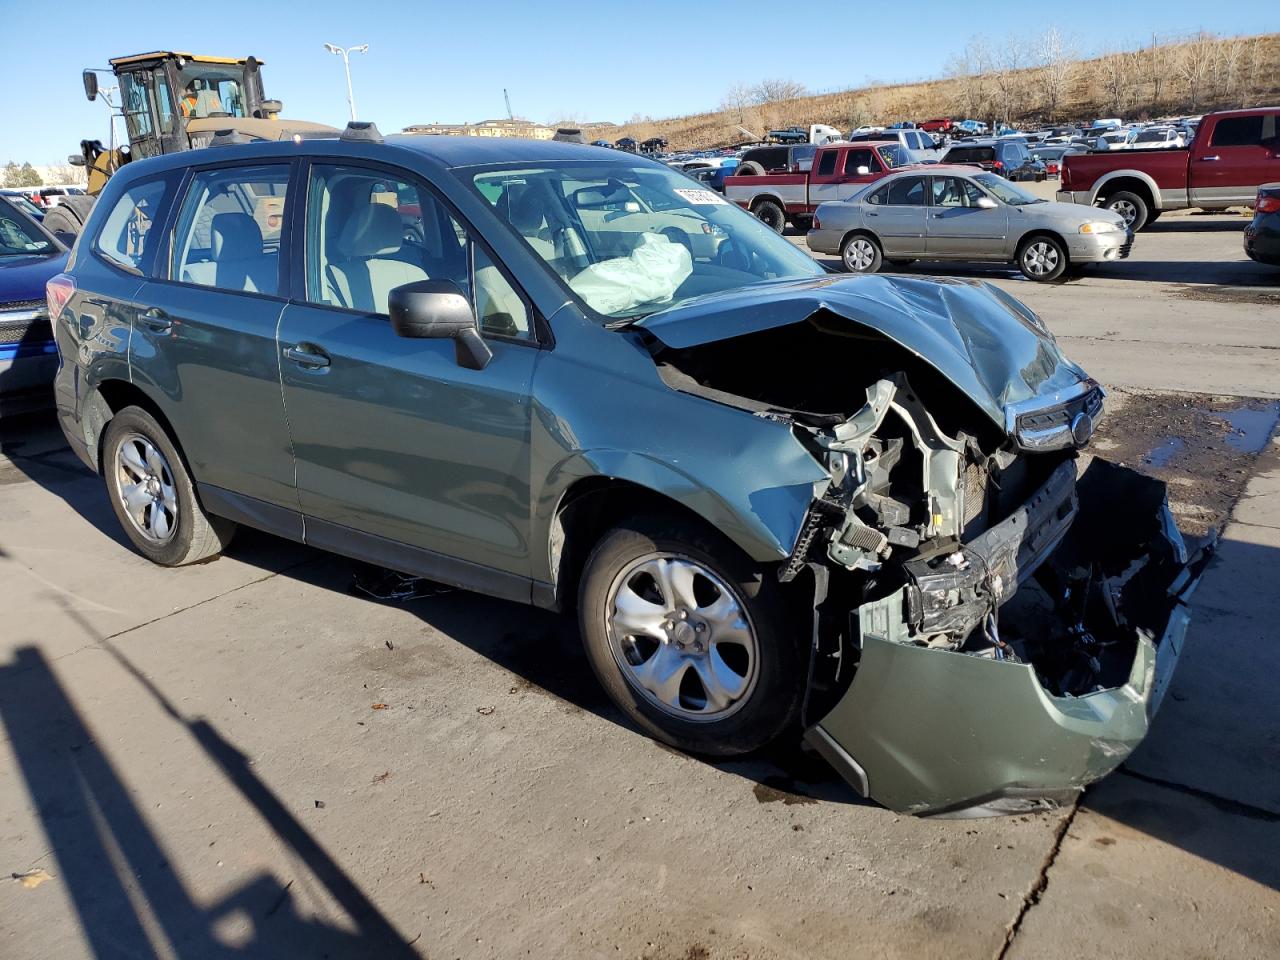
x=991 y=632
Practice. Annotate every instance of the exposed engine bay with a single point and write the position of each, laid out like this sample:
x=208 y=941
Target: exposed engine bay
x=930 y=499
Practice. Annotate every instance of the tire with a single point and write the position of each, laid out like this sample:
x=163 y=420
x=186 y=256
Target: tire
x=67 y=219
x=861 y=253
x=748 y=168
x=1042 y=258
x=1131 y=207
x=172 y=528
x=771 y=214
x=753 y=692
x=1153 y=216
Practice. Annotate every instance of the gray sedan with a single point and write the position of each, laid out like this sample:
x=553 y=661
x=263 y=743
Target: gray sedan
x=960 y=213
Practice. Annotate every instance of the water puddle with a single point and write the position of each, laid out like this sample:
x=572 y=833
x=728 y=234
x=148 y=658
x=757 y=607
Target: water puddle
x=1163 y=455
x=1251 y=427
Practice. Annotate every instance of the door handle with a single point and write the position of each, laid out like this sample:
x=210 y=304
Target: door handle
x=157 y=321
x=1208 y=159
x=308 y=356
x=872 y=213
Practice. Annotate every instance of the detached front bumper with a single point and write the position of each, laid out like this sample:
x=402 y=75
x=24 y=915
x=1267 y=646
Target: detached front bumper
x=938 y=732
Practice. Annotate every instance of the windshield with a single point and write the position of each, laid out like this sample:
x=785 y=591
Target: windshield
x=1002 y=189
x=19 y=237
x=894 y=156
x=632 y=240
x=210 y=90
x=1153 y=136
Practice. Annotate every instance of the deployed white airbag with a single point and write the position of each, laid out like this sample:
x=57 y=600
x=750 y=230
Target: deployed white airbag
x=651 y=274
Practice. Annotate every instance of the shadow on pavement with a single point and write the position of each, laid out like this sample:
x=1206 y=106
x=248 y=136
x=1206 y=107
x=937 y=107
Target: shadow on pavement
x=130 y=898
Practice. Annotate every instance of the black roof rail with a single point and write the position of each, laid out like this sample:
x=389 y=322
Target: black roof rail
x=361 y=131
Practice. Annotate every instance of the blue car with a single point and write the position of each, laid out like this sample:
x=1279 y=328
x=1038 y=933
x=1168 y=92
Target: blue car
x=29 y=257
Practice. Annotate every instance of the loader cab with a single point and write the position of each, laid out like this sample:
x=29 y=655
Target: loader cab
x=163 y=93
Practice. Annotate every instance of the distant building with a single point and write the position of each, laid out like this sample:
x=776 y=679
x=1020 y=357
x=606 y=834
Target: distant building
x=485 y=128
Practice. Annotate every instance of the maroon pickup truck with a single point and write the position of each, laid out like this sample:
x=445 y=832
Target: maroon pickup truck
x=1233 y=153
x=839 y=170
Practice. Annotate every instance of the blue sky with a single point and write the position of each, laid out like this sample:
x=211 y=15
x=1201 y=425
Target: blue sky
x=590 y=59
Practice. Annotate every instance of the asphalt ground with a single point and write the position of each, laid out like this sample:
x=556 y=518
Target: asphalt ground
x=246 y=759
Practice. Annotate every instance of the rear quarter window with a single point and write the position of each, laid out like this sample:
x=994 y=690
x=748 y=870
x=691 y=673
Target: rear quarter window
x=126 y=238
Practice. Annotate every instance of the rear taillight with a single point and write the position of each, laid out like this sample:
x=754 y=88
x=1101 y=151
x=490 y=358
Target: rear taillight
x=997 y=165
x=817 y=224
x=57 y=292
x=1267 y=204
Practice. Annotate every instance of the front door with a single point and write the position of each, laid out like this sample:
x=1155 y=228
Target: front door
x=1243 y=153
x=960 y=229
x=404 y=456
x=897 y=215
x=839 y=173
x=207 y=339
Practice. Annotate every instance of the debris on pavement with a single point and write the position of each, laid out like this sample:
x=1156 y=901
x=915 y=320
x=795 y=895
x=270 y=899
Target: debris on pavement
x=32 y=878
x=484 y=711
x=379 y=706
x=382 y=777
x=319 y=804
x=383 y=584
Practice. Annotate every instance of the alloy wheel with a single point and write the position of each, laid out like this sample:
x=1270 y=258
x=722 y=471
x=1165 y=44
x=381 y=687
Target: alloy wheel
x=859 y=255
x=1126 y=210
x=681 y=637
x=145 y=486
x=1040 y=258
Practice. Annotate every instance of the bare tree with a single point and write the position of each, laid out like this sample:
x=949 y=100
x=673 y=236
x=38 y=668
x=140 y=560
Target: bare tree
x=1230 y=53
x=1010 y=61
x=1121 y=73
x=1057 y=55
x=971 y=69
x=736 y=100
x=1195 y=65
x=1158 y=64
x=771 y=91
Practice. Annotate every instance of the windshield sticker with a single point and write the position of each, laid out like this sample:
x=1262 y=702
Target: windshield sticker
x=700 y=197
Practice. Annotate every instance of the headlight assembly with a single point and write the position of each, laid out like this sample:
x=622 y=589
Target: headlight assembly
x=1099 y=226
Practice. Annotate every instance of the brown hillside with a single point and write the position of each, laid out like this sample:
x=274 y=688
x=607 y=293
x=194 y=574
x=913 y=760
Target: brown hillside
x=1187 y=77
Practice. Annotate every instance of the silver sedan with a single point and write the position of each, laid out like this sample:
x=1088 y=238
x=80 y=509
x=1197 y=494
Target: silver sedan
x=961 y=213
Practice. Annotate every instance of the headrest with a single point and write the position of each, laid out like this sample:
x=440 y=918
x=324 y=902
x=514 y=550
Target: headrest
x=527 y=214
x=371 y=231
x=234 y=235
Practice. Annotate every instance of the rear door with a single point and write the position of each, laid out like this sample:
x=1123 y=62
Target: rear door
x=1242 y=153
x=959 y=229
x=854 y=167
x=207 y=338
x=896 y=212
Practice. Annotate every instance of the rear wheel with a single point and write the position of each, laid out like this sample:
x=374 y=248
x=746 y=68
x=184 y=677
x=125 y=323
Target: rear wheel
x=153 y=496
x=1131 y=207
x=689 y=638
x=861 y=253
x=1042 y=258
x=771 y=214
x=67 y=219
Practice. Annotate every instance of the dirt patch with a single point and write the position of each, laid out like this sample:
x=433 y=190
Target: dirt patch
x=1268 y=295
x=1203 y=447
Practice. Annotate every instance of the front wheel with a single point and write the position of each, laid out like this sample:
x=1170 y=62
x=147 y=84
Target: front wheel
x=153 y=496
x=1042 y=259
x=861 y=253
x=1131 y=207
x=771 y=215
x=690 y=639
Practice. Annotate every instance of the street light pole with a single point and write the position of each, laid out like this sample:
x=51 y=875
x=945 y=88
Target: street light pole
x=346 y=63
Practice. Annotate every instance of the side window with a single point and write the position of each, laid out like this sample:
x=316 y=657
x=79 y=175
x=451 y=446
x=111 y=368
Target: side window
x=125 y=236
x=369 y=232
x=135 y=104
x=879 y=197
x=973 y=193
x=164 y=103
x=906 y=192
x=228 y=232
x=858 y=158
x=913 y=140
x=1246 y=131
x=948 y=192
x=827 y=163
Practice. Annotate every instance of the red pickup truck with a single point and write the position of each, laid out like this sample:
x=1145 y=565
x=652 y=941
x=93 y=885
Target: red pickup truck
x=839 y=170
x=1233 y=153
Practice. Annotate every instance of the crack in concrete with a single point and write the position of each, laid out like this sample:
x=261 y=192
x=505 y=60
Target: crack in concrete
x=1039 y=885
x=1225 y=804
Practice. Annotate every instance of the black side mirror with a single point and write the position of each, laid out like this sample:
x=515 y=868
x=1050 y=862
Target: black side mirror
x=439 y=310
x=76 y=160
x=90 y=84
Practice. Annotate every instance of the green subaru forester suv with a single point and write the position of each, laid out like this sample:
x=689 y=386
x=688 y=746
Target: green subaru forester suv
x=779 y=499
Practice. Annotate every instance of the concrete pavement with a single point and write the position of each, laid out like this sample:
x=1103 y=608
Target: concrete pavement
x=243 y=759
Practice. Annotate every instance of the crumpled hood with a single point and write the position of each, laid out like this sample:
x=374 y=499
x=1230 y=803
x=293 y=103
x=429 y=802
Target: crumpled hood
x=984 y=341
